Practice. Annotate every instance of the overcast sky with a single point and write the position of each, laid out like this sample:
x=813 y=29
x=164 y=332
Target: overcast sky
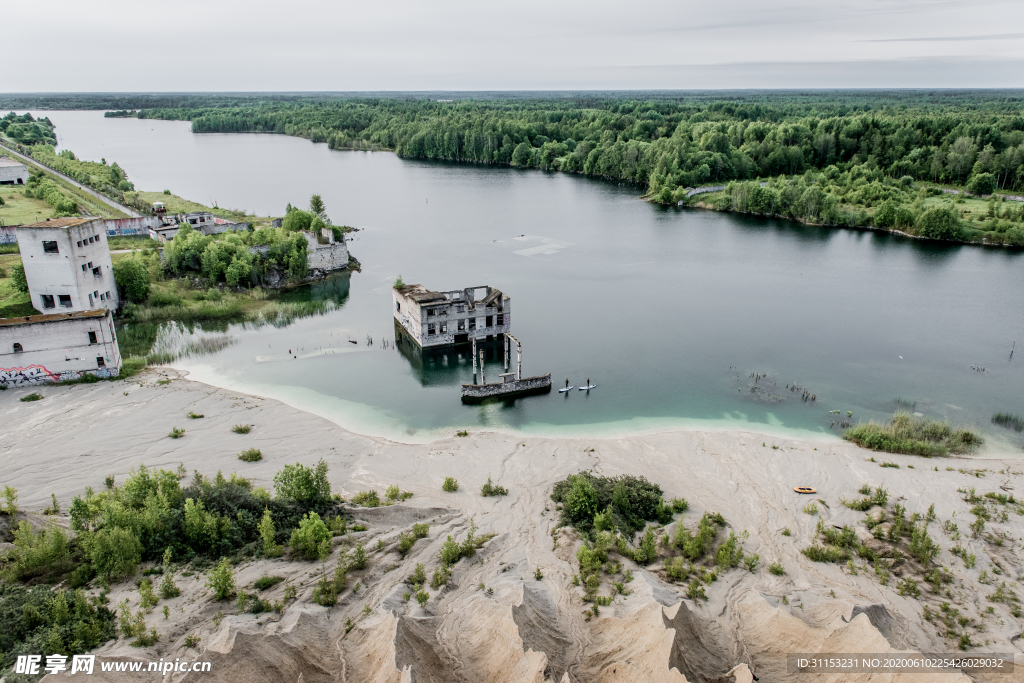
x=224 y=45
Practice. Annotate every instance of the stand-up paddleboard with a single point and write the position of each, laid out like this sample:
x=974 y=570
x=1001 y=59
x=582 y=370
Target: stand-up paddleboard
x=562 y=391
x=588 y=388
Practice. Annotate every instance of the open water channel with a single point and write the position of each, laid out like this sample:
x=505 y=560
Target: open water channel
x=668 y=311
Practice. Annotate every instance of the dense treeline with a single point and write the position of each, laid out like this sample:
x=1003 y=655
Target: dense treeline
x=665 y=144
x=111 y=180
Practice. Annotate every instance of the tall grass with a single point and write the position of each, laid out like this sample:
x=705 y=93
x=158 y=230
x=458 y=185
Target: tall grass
x=905 y=403
x=1009 y=420
x=913 y=436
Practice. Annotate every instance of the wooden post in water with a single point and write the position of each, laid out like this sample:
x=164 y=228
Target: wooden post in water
x=473 y=354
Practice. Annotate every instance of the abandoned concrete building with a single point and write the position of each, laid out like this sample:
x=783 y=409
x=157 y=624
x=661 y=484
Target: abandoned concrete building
x=12 y=172
x=453 y=317
x=323 y=253
x=67 y=265
x=57 y=347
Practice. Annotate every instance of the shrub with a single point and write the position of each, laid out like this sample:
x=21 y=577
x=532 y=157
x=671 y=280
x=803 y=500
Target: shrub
x=393 y=494
x=176 y=433
x=167 y=587
x=191 y=640
x=776 y=568
x=241 y=429
x=34 y=396
x=633 y=500
x=489 y=489
x=312 y=539
x=266 y=582
x=10 y=506
x=818 y=553
x=328 y=588
x=52 y=621
x=250 y=455
x=419 y=576
x=811 y=508
x=680 y=505
x=115 y=552
x=366 y=499
x=18 y=278
x=192 y=415
x=407 y=540
x=359 y=559
x=303 y=484
x=222 y=580
x=695 y=591
x=132 y=279
x=147 y=598
x=940 y=223
x=422 y=597
x=451 y=485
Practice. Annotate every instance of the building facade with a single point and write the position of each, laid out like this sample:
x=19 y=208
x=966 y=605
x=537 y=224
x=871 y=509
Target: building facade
x=12 y=172
x=57 y=347
x=67 y=265
x=323 y=253
x=454 y=317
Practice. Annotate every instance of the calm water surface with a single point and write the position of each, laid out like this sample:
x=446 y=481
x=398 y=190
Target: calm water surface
x=667 y=311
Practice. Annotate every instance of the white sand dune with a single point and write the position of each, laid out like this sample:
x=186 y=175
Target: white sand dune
x=519 y=628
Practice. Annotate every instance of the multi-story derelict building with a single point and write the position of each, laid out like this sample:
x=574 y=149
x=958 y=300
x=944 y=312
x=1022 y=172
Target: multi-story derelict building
x=455 y=317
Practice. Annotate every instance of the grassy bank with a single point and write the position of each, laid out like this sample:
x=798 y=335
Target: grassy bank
x=910 y=435
x=176 y=204
x=18 y=209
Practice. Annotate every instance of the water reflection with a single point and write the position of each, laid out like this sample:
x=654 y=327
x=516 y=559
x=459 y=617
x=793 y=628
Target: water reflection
x=449 y=365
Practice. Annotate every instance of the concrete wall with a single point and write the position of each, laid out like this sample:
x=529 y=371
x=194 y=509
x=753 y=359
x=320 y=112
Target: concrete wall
x=57 y=348
x=519 y=387
x=8 y=235
x=80 y=269
x=12 y=172
x=131 y=226
x=325 y=257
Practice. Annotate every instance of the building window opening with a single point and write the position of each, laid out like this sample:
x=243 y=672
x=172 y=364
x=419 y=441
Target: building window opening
x=48 y=301
x=84 y=267
x=17 y=348
x=501 y=319
x=108 y=295
x=462 y=326
x=430 y=329
x=444 y=328
x=431 y=312
x=49 y=247
x=92 y=337
x=490 y=320
x=65 y=300
x=100 y=362
x=80 y=244
x=398 y=306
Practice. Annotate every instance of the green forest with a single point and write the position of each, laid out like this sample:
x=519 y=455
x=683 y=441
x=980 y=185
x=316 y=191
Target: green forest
x=913 y=161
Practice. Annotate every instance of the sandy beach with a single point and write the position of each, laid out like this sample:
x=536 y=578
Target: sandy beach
x=521 y=628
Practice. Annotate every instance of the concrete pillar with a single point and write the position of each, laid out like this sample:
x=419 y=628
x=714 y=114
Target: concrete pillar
x=507 y=351
x=519 y=360
x=483 y=379
x=474 y=360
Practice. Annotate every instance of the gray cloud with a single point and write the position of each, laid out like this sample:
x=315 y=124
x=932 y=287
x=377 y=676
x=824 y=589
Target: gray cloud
x=940 y=39
x=337 y=45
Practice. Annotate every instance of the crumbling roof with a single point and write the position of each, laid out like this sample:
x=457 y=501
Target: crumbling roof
x=60 y=222
x=421 y=294
x=49 y=317
x=8 y=161
x=490 y=298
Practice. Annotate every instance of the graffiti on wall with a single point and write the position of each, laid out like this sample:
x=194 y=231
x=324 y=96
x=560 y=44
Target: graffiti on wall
x=38 y=374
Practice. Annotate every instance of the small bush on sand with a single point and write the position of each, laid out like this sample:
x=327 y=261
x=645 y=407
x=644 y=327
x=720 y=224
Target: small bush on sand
x=241 y=429
x=489 y=489
x=250 y=455
x=451 y=485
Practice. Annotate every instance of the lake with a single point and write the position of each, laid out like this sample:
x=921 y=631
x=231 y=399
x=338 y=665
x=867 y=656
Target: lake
x=667 y=311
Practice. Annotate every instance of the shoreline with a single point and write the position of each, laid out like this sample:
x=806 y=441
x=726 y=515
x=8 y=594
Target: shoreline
x=348 y=413
x=79 y=434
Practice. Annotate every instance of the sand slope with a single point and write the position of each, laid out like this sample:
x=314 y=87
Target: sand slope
x=518 y=628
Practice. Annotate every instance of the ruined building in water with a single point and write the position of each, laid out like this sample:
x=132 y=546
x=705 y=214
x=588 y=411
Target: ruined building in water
x=455 y=317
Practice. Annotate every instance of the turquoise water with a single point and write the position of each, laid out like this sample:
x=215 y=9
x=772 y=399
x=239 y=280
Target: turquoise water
x=668 y=311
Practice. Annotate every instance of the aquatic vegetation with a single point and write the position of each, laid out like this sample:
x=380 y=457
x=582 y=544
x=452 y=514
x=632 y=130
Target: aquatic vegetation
x=910 y=435
x=1009 y=420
